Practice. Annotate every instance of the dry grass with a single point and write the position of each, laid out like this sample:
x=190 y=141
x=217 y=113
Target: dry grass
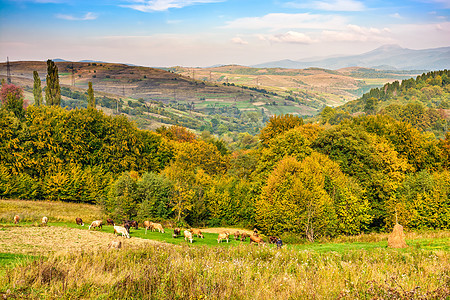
x=244 y=272
x=32 y=211
x=46 y=239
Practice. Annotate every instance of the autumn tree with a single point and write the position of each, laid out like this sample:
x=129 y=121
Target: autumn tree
x=12 y=99
x=37 y=90
x=312 y=198
x=90 y=96
x=53 y=90
x=278 y=125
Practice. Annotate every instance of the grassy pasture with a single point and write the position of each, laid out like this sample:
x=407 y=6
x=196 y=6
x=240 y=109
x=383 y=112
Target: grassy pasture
x=65 y=261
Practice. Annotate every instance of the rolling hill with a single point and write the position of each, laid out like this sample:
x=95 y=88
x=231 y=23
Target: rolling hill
x=387 y=57
x=220 y=99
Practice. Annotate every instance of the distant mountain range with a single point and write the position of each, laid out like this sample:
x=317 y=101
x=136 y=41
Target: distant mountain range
x=387 y=57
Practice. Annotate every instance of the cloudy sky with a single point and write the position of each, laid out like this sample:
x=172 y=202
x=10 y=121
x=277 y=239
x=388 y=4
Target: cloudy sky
x=209 y=32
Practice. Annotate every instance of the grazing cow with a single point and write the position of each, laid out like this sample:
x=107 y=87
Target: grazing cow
x=244 y=235
x=236 y=235
x=97 y=223
x=115 y=244
x=44 y=221
x=121 y=230
x=255 y=232
x=188 y=236
x=279 y=243
x=223 y=236
x=127 y=227
x=158 y=226
x=134 y=224
x=147 y=225
x=256 y=239
x=79 y=221
x=109 y=222
x=197 y=232
x=273 y=239
x=16 y=219
x=176 y=232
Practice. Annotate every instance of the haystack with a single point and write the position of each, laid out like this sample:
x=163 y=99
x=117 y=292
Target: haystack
x=397 y=238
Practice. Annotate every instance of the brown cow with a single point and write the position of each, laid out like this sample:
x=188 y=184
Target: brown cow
x=197 y=232
x=16 y=219
x=273 y=239
x=223 y=236
x=109 y=222
x=79 y=221
x=256 y=239
x=244 y=235
x=158 y=226
x=147 y=225
x=176 y=232
x=236 y=235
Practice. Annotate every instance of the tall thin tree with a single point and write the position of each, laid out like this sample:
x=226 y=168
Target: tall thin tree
x=90 y=96
x=53 y=90
x=37 y=89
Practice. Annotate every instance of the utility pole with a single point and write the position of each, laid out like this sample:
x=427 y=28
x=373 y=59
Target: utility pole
x=8 y=71
x=73 y=76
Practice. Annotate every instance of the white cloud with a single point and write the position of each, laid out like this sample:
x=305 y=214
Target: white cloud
x=396 y=16
x=88 y=16
x=291 y=37
x=239 y=41
x=163 y=5
x=278 y=21
x=355 y=33
x=332 y=5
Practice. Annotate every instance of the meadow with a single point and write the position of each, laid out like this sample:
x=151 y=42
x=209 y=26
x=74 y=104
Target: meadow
x=66 y=261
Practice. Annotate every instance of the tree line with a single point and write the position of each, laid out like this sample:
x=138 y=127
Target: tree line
x=302 y=179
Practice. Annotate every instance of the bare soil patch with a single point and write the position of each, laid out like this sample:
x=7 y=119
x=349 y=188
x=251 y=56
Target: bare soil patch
x=44 y=240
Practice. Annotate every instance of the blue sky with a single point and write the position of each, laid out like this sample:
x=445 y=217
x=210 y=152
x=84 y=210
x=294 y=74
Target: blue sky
x=209 y=32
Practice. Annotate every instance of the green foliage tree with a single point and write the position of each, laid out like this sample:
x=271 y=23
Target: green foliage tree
x=312 y=198
x=90 y=96
x=37 y=89
x=53 y=90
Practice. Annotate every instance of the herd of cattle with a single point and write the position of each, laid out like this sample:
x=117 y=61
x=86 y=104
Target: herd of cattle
x=124 y=231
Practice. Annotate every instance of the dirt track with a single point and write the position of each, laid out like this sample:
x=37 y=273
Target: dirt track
x=42 y=240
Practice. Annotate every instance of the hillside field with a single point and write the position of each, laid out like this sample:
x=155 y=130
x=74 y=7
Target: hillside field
x=64 y=260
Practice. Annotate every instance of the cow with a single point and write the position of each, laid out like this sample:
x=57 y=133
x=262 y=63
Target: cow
x=97 y=223
x=176 y=232
x=188 y=236
x=273 y=239
x=134 y=224
x=255 y=232
x=256 y=239
x=110 y=222
x=236 y=235
x=223 y=236
x=147 y=225
x=79 y=221
x=127 y=227
x=121 y=230
x=16 y=219
x=115 y=244
x=244 y=235
x=44 y=221
x=197 y=232
x=158 y=226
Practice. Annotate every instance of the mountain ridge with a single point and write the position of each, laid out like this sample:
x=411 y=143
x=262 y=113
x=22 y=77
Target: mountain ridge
x=386 y=57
